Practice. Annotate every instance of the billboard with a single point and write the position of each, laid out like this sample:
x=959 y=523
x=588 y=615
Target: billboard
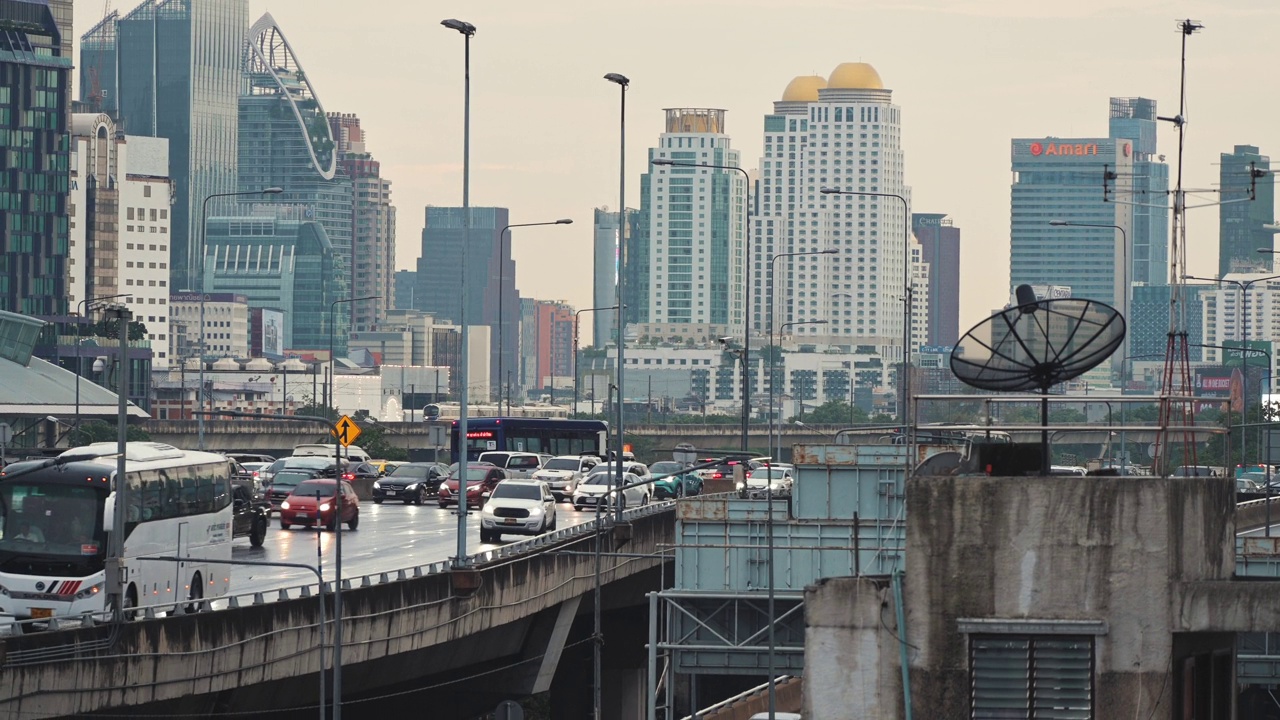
x=272 y=334
x=1222 y=382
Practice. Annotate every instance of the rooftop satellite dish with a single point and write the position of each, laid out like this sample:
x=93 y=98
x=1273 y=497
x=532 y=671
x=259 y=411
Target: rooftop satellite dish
x=1038 y=344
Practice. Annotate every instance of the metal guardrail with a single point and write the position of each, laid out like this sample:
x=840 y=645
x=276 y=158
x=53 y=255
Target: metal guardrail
x=506 y=552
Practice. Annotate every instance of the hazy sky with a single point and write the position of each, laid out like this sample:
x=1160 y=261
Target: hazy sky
x=968 y=75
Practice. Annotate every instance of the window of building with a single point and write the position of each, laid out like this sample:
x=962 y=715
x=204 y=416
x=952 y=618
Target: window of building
x=146 y=192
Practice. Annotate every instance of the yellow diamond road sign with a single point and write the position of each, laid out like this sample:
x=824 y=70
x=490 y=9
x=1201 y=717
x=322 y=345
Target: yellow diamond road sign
x=346 y=430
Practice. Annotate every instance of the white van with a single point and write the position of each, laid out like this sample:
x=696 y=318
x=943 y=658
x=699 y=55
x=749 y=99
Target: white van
x=354 y=453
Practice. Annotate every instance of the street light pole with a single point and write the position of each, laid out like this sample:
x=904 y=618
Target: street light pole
x=87 y=304
x=781 y=331
x=468 y=30
x=204 y=236
x=337 y=523
x=115 y=553
x=623 y=82
x=905 y=381
x=502 y=292
x=1126 y=271
x=746 y=328
x=1244 y=343
x=577 y=375
x=773 y=350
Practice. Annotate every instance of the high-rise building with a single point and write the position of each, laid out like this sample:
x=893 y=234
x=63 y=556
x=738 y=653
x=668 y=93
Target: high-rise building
x=405 y=280
x=286 y=142
x=118 y=213
x=939 y=240
x=1134 y=119
x=842 y=132
x=439 y=290
x=694 y=221
x=34 y=76
x=921 y=300
x=286 y=263
x=226 y=326
x=373 y=227
x=552 y=352
x=172 y=69
x=607 y=246
x=1057 y=179
x=1249 y=205
x=1148 y=321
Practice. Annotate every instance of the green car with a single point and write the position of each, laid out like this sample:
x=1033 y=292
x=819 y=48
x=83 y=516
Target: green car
x=679 y=485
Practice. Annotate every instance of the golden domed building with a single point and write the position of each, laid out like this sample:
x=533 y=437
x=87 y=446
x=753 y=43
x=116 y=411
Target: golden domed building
x=839 y=132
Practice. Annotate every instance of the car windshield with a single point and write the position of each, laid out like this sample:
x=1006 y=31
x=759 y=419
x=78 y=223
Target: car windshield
x=604 y=478
x=771 y=472
x=412 y=471
x=317 y=488
x=289 y=479
x=666 y=468
x=473 y=473
x=518 y=491
x=563 y=464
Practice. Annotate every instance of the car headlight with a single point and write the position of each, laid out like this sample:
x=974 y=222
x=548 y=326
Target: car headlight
x=776 y=485
x=741 y=485
x=324 y=507
x=535 y=512
x=284 y=505
x=377 y=485
x=409 y=488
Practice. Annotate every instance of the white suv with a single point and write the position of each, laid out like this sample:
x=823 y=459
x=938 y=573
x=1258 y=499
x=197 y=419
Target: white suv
x=517 y=464
x=563 y=473
x=517 y=507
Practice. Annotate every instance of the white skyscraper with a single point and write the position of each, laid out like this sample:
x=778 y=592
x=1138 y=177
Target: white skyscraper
x=696 y=228
x=844 y=133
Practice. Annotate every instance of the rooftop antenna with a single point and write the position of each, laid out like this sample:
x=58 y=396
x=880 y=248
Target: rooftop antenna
x=1176 y=389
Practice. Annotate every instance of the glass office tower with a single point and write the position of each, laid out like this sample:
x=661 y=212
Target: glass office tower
x=34 y=164
x=171 y=69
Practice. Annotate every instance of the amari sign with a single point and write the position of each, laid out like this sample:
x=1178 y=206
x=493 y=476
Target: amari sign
x=1057 y=148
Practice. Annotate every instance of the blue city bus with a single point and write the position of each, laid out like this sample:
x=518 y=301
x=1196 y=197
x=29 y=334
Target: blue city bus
x=551 y=436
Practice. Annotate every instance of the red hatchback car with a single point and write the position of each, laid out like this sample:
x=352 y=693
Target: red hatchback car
x=315 y=502
x=481 y=478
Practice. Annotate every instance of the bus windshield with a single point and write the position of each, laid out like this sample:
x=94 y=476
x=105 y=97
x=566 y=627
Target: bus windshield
x=51 y=519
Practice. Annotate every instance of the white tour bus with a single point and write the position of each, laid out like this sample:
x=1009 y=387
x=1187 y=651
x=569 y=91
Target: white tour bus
x=56 y=521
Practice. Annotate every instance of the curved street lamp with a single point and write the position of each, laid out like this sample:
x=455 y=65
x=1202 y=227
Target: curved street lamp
x=502 y=292
x=746 y=319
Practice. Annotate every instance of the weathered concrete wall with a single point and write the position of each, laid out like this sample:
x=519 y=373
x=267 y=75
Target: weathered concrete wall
x=851 y=668
x=1117 y=550
x=265 y=657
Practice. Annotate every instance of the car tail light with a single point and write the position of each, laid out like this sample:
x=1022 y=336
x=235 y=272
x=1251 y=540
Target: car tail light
x=717 y=475
x=348 y=476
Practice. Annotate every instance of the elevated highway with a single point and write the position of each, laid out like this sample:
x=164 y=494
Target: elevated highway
x=278 y=438
x=496 y=630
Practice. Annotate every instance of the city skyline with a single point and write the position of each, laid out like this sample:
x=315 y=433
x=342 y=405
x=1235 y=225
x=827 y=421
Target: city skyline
x=1039 y=72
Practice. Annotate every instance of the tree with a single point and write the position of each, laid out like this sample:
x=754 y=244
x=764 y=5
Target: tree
x=373 y=438
x=836 y=412
x=95 y=431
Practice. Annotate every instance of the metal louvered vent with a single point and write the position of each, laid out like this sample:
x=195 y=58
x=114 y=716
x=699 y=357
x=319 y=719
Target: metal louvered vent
x=1030 y=677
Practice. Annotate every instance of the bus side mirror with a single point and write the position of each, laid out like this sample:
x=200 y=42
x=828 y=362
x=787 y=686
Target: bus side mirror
x=109 y=513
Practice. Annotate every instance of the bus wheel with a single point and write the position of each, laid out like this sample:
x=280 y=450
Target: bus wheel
x=196 y=594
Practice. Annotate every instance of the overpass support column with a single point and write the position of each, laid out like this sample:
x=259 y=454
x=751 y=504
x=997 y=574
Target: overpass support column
x=547 y=639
